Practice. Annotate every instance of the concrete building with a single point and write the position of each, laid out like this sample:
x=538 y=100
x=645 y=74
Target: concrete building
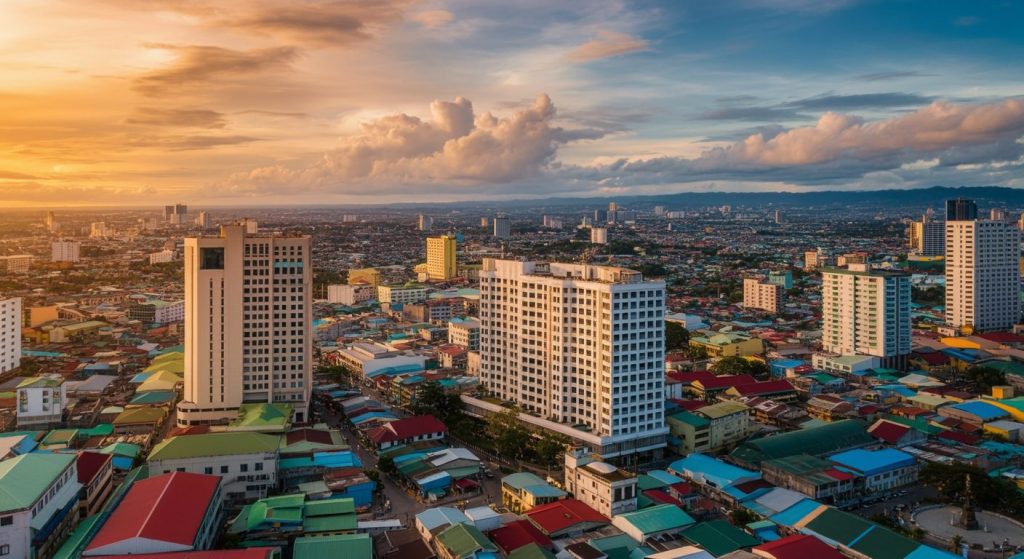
x=982 y=275
x=96 y=474
x=523 y=491
x=162 y=257
x=247 y=324
x=368 y=276
x=441 y=259
x=17 y=263
x=761 y=294
x=781 y=278
x=579 y=345
x=464 y=332
x=880 y=470
x=37 y=510
x=245 y=461
x=99 y=230
x=10 y=333
x=156 y=311
x=502 y=227
x=402 y=294
x=41 y=400
x=928 y=237
x=350 y=295
x=608 y=490
x=866 y=312
x=710 y=428
x=599 y=235
x=425 y=222
x=176 y=214
x=65 y=251
x=203 y=220
x=813 y=259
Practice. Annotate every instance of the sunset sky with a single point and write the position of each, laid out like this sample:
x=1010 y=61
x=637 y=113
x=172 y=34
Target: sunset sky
x=149 y=102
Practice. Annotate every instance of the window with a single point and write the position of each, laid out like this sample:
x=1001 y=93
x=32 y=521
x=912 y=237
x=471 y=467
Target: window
x=244 y=468
x=223 y=469
x=6 y=521
x=5 y=549
x=208 y=470
x=211 y=258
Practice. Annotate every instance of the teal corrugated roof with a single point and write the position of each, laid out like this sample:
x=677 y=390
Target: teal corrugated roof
x=23 y=479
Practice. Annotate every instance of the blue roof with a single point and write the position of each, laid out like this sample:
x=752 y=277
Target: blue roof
x=967 y=355
x=871 y=462
x=664 y=477
x=338 y=459
x=984 y=410
x=370 y=416
x=787 y=363
x=705 y=469
x=929 y=552
x=795 y=513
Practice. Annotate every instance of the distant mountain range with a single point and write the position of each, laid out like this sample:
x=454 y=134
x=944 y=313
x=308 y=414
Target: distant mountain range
x=985 y=196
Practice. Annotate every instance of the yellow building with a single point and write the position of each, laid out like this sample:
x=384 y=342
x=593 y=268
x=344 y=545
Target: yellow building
x=368 y=276
x=37 y=316
x=441 y=263
x=728 y=344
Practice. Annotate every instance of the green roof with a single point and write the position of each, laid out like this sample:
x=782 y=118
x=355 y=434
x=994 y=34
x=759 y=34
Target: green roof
x=100 y=430
x=264 y=513
x=262 y=415
x=59 y=436
x=40 y=382
x=658 y=519
x=140 y=415
x=645 y=482
x=75 y=544
x=349 y=546
x=723 y=409
x=719 y=537
x=214 y=444
x=883 y=543
x=330 y=507
x=336 y=523
x=814 y=441
x=463 y=540
x=809 y=467
x=839 y=526
x=129 y=450
x=24 y=479
x=531 y=551
x=690 y=419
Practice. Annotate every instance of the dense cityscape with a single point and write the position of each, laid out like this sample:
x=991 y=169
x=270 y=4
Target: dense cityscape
x=561 y=380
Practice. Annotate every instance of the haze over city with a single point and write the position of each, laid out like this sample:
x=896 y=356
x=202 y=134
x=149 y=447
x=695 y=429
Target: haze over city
x=261 y=103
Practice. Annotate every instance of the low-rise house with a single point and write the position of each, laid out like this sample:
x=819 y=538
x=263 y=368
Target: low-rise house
x=710 y=428
x=463 y=541
x=41 y=400
x=523 y=491
x=96 y=474
x=599 y=485
x=246 y=462
x=408 y=430
x=38 y=503
x=179 y=511
x=828 y=408
x=653 y=522
x=880 y=470
x=566 y=517
x=812 y=476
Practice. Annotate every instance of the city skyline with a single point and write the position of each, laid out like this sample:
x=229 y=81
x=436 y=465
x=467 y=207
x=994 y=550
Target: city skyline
x=229 y=103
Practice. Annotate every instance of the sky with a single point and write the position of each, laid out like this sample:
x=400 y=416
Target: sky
x=244 y=102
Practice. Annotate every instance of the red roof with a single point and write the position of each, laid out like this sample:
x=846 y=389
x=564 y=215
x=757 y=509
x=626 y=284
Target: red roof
x=689 y=377
x=559 y=515
x=749 y=487
x=839 y=475
x=89 y=465
x=798 y=546
x=959 y=437
x=1002 y=337
x=661 y=497
x=250 y=553
x=166 y=508
x=689 y=405
x=516 y=534
x=768 y=387
x=933 y=358
x=407 y=428
x=727 y=381
x=311 y=435
x=888 y=431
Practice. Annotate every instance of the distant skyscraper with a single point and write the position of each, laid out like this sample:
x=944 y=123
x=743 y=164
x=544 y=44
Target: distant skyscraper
x=982 y=275
x=763 y=295
x=65 y=250
x=10 y=333
x=997 y=214
x=659 y=210
x=247 y=324
x=866 y=312
x=203 y=220
x=778 y=216
x=613 y=207
x=425 y=222
x=599 y=235
x=961 y=209
x=349 y=218
x=51 y=222
x=598 y=361
x=98 y=230
x=502 y=227
x=485 y=222
x=928 y=237
x=600 y=216
x=814 y=259
x=441 y=258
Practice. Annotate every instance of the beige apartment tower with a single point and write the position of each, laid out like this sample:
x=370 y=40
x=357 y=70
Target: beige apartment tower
x=247 y=324
x=441 y=259
x=758 y=293
x=982 y=275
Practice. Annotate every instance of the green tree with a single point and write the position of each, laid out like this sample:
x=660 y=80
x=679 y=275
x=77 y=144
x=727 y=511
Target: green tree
x=510 y=438
x=730 y=366
x=550 y=447
x=434 y=400
x=955 y=542
x=676 y=336
x=984 y=378
x=386 y=464
x=698 y=352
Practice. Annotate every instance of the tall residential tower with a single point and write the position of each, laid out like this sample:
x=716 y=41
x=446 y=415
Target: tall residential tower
x=982 y=275
x=441 y=260
x=866 y=312
x=247 y=324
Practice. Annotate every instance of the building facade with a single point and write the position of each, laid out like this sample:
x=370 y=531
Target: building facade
x=464 y=332
x=41 y=400
x=10 y=333
x=961 y=209
x=65 y=251
x=763 y=295
x=866 y=312
x=502 y=227
x=982 y=275
x=928 y=237
x=441 y=261
x=17 y=263
x=350 y=295
x=577 y=344
x=247 y=324
x=401 y=294
x=38 y=509
x=608 y=490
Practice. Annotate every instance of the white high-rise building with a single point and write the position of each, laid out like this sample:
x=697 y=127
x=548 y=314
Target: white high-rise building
x=502 y=227
x=866 y=312
x=203 y=220
x=66 y=251
x=247 y=324
x=578 y=345
x=599 y=235
x=758 y=293
x=99 y=230
x=928 y=237
x=425 y=222
x=982 y=275
x=10 y=333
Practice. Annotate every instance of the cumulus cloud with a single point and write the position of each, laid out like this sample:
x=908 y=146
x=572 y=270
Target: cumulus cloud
x=455 y=145
x=198 y=118
x=844 y=147
x=203 y=65
x=608 y=44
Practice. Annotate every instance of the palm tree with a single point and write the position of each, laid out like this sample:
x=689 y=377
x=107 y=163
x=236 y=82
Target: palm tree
x=956 y=542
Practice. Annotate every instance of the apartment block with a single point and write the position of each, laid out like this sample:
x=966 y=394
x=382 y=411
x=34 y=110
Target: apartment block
x=866 y=312
x=982 y=275
x=761 y=294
